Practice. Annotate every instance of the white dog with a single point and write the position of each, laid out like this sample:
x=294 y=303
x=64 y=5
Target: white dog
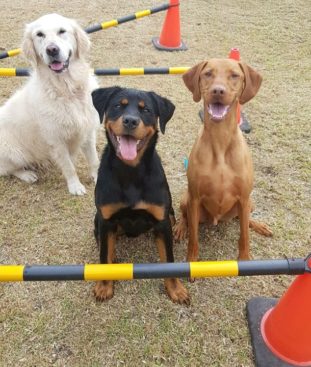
x=52 y=116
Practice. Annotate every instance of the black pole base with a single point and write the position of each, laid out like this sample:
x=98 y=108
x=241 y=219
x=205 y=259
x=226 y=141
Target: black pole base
x=256 y=308
x=158 y=46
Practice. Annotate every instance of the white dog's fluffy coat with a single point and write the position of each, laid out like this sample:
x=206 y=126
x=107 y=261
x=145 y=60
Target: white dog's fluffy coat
x=52 y=116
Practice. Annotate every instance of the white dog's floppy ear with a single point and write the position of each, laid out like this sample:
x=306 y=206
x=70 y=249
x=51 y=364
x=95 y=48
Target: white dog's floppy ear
x=28 y=47
x=82 y=39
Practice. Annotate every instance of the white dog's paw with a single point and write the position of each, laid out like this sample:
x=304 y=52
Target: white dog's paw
x=93 y=170
x=76 y=188
x=26 y=175
x=94 y=176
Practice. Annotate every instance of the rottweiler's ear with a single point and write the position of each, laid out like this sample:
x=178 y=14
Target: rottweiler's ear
x=101 y=98
x=192 y=80
x=252 y=82
x=164 y=109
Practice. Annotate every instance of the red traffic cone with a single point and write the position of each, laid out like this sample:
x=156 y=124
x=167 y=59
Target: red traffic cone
x=170 y=39
x=235 y=55
x=286 y=328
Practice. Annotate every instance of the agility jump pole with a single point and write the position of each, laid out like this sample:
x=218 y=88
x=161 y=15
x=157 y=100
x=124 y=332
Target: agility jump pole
x=204 y=269
x=105 y=25
x=11 y=72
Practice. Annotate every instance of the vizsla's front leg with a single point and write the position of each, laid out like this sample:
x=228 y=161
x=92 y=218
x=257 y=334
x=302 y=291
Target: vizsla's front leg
x=193 y=228
x=181 y=227
x=243 y=212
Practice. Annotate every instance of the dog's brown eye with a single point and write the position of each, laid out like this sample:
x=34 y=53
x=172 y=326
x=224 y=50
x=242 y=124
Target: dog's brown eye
x=209 y=73
x=61 y=31
x=40 y=34
x=235 y=76
x=146 y=109
x=117 y=105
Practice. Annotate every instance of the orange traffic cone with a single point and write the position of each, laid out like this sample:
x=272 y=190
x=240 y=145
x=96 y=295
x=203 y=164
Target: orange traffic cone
x=170 y=39
x=286 y=328
x=235 y=55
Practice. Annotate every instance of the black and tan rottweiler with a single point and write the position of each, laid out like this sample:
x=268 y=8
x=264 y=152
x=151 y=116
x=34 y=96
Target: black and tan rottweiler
x=132 y=193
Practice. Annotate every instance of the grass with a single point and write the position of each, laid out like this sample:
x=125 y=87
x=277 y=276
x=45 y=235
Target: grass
x=59 y=323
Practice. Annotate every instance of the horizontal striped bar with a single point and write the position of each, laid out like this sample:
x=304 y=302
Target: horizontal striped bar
x=142 y=71
x=127 y=18
x=10 y=53
x=204 y=269
x=103 y=25
x=14 y=72
x=9 y=72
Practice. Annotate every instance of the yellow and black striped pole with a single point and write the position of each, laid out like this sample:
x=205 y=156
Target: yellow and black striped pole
x=142 y=71
x=10 y=53
x=9 y=72
x=127 y=18
x=104 y=25
x=204 y=269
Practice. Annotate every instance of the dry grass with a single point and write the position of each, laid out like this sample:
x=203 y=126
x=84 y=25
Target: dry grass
x=60 y=324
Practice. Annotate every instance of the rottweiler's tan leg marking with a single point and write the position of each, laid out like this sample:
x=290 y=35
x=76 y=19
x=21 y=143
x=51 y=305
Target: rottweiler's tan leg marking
x=104 y=289
x=174 y=287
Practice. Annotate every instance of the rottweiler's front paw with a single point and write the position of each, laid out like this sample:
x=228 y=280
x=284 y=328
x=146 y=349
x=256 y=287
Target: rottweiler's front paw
x=103 y=290
x=176 y=291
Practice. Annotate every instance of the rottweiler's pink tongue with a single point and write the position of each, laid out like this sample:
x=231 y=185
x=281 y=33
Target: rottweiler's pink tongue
x=128 y=147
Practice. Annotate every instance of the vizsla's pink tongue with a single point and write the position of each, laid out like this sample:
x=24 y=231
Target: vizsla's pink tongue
x=128 y=147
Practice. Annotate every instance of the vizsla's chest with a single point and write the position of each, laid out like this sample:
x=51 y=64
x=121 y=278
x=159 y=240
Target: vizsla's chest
x=218 y=189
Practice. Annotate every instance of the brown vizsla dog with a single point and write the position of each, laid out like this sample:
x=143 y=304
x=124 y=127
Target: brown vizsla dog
x=220 y=170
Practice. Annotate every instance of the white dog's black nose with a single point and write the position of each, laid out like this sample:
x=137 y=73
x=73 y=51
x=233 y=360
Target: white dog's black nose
x=52 y=50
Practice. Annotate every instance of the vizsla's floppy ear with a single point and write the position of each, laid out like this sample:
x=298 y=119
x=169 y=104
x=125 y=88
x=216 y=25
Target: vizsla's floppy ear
x=164 y=109
x=101 y=98
x=192 y=80
x=252 y=83
x=28 y=47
